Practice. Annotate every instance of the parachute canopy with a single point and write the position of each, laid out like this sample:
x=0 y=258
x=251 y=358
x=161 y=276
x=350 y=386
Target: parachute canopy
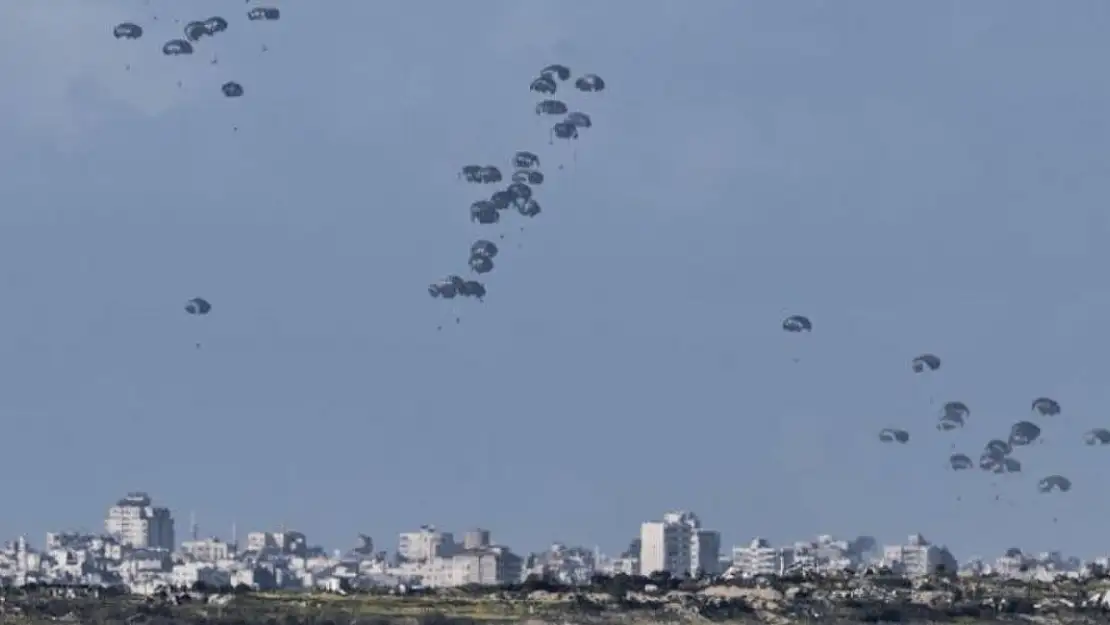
x=127 y=30
x=544 y=85
x=590 y=82
x=1023 y=433
x=263 y=13
x=174 y=47
x=232 y=89
x=892 y=435
x=1097 y=436
x=1054 y=483
x=198 y=306
x=1046 y=407
x=960 y=462
x=925 y=362
x=550 y=107
x=797 y=323
x=526 y=160
x=562 y=72
x=483 y=247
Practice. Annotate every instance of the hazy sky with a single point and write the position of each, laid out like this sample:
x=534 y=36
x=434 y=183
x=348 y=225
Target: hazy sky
x=927 y=176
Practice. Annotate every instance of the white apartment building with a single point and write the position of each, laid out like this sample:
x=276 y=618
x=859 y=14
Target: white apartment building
x=918 y=557
x=760 y=558
x=139 y=525
x=679 y=545
x=207 y=549
x=492 y=565
x=428 y=543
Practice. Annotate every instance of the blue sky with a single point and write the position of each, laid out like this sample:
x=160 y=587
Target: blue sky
x=912 y=176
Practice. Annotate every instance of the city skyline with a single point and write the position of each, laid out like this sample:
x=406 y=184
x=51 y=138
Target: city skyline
x=924 y=178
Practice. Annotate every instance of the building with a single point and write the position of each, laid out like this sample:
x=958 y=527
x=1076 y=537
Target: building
x=135 y=523
x=426 y=544
x=679 y=545
x=477 y=538
x=760 y=558
x=918 y=557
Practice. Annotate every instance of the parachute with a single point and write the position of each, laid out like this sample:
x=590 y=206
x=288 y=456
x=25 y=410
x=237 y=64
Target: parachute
x=489 y=175
x=997 y=448
x=232 y=89
x=528 y=176
x=521 y=192
x=526 y=160
x=925 y=362
x=215 y=25
x=1054 y=483
x=589 y=83
x=198 y=306
x=580 y=120
x=174 y=47
x=473 y=288
x=471 y=173
x=502 y=199
x=564 y=130
x=447 y=288
x=531 y=208
x=953 y=416
x=1023 y=433
x=1046 y=407
x=483 y=247
x=1097 y=436
x=562 y=72
x=480 y=264
x=960 y=462
x=127 y=30
x=484 y=212
x=892 y=435
x=797 y=323
x=194 y=31
x=544 y=85
x=551 y=107
x=263 y=13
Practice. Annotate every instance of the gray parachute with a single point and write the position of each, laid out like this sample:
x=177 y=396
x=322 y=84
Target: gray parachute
x=893 y=435
x=447 y=288
x=175 y=47
x=528 y=176
x=797 y=323
x=1024 y=433
x=579 y=120
x=1097 y=436
x=551 y=107
x=485 y=248
x=544 y=85
x=526 y=160
x=1054 y=483
x=590 y=83
x=263 y=14
x=960 y=462
x=127 y=30
x=1046 y=407
x=198 y=306
x=562 y=72
x=925 y=362
x=953 y=416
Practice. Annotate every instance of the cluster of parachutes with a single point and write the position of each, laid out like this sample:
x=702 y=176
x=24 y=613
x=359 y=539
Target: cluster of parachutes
x=520 y=187
x=998 y=454
x=193 y=33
